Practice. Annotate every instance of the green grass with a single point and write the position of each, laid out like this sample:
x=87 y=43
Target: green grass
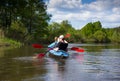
x=10 y=42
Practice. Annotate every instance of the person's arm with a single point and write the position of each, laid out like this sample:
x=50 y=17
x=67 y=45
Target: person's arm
x=52 y=45
x=65 y=41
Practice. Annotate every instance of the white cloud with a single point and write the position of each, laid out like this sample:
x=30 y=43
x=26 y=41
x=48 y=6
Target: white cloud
x=55 y=3
x=64 y=4
x=100 y=5
x=116 y=10
x=112 y=18
x=106 y=11
x=72 y=3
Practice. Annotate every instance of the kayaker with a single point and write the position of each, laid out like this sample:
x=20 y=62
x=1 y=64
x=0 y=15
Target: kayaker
x=62 y=44
x=54 y=44
x=56 y=41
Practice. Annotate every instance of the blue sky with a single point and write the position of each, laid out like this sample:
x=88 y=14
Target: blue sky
x=81 y=12
x=87 y=1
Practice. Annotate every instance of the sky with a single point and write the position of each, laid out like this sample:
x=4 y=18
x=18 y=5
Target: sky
x=81 y=12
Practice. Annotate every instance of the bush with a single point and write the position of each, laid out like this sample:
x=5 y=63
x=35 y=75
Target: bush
x=17 y=31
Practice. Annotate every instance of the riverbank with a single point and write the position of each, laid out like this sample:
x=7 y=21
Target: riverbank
x=5 y=42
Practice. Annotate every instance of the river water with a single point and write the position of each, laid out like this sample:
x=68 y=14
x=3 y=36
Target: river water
x=99 y=62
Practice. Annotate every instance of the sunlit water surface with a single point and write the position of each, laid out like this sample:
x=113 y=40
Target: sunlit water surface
x=99 y=62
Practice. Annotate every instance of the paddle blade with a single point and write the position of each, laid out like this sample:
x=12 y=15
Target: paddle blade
x=67 y=35
x=40 y=55
x=77 y=49
x=80 y=50
x=37 y=46
x=74 y=48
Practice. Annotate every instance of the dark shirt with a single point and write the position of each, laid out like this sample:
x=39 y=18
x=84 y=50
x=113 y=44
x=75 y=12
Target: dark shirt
x=62 y=46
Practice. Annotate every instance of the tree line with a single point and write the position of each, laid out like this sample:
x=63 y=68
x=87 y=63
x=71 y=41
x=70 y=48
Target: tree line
x=92 y=32
x=28 y=21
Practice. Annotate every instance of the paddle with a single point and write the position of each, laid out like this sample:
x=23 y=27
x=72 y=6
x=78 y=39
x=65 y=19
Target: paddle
x=41 y=55
x=73 y=48
x=67 y=35
x=37 y=46
x=40 y=46
x=77 y=49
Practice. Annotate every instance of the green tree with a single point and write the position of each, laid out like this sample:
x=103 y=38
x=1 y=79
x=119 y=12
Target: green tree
x=17 y=31
x=87 y=30
x=100 y=36
x=116 y=37
x=53 y=31
x=97 y=26
x=56 y=29
x=32 y=13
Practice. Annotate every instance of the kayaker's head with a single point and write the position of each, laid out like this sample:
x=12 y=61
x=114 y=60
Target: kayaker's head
x=56 y=38
x=61 y=37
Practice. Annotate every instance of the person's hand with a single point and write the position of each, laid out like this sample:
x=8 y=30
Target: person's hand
x=56 y=49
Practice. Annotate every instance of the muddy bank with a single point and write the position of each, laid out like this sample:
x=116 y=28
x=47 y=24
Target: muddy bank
x=4 y=45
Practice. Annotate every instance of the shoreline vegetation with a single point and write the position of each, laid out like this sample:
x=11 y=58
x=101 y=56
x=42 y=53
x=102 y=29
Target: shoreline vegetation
x=5 y=42
x=90 y=33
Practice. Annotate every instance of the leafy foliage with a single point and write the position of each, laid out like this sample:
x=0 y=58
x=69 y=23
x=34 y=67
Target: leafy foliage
x=90 y=33
x=116 y=37
x=31 y=13
x=17 y=31
x=100 y=36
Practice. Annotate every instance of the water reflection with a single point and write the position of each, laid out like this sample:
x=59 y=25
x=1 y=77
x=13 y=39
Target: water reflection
x=78 y=57
x=56 y=68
